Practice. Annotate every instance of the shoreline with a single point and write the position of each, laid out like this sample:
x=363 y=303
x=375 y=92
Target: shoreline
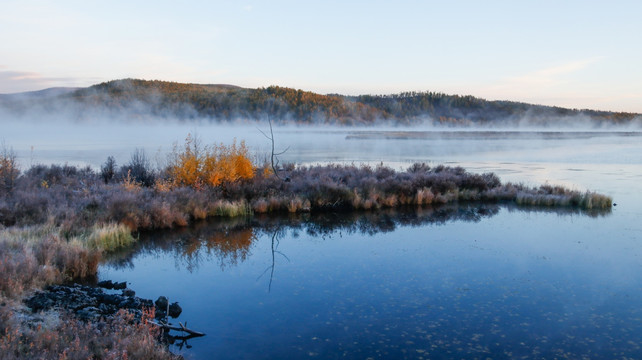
x=59 y=221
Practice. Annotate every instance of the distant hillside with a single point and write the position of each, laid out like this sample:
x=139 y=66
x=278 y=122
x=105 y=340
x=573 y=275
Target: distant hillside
x=139 y=98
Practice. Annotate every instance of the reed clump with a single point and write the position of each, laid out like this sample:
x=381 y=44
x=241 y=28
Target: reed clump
x=231 y=208
x=110 y=237
x=558 y=196
x=592 y=200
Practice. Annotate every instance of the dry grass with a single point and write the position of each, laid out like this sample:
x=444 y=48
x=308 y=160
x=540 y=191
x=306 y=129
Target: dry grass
x=110 y=237
x=230 y=209
x=37 y=256
x=76 y=199
x=117 y=338
x=592 y=200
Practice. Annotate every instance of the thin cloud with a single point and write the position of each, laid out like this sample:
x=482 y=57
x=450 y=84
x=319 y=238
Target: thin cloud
x=551 y=75
x=551 y=85
x=12 y=81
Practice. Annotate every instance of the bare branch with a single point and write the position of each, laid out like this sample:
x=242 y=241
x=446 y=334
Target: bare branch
x=274 y=160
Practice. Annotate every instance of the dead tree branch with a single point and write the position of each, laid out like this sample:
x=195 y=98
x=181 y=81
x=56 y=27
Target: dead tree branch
x=274 y=158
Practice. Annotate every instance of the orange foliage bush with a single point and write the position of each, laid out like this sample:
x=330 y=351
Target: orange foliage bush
x=196 y=165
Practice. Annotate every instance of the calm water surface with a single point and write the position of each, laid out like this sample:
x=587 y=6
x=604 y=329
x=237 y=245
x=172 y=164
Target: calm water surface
x=459 y=282
x=490 y=282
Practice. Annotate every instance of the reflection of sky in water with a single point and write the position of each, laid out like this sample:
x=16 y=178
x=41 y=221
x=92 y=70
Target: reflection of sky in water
x=517 y=283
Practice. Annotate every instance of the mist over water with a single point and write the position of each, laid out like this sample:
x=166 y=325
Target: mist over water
x=603 y=161
x=533 y=156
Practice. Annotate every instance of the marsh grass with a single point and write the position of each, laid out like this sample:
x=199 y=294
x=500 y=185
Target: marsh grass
x=557 y=196
x=76 y=199
x=119 y=337
x=231 y=208
x=592 y=200
x=110 y=237
x=36 y=256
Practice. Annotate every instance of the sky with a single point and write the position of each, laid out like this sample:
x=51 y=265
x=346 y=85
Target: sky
x=575 y=54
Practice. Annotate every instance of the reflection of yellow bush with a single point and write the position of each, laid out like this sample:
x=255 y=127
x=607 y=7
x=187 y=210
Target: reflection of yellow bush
x=196 y=165
x=233 y=246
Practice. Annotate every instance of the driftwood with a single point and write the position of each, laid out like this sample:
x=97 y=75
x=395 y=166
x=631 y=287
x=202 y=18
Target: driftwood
x=182 y=327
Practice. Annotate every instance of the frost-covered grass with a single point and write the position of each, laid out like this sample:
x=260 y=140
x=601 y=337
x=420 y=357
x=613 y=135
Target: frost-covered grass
x=66 y=337
x=77 y=199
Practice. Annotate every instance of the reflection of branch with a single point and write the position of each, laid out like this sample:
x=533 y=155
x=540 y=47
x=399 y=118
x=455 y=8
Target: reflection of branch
x=275 y=246
x=182 y=328
x=171 y=339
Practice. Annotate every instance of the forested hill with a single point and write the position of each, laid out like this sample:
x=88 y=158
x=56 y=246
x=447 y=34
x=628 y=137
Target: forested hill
x=140 y=98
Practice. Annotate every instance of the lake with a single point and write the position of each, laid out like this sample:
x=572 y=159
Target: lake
x=464 y=281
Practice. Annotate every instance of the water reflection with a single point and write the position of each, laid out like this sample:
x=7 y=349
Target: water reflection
x=230 y=241
x=275 y=242
x=470 y=281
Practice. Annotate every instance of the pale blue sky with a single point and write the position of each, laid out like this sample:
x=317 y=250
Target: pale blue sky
x=578 y=54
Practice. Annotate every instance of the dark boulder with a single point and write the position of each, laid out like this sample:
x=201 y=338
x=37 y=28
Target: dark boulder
x=106 y=284
x=161 y=303
x=120 y=285
x=175 y=310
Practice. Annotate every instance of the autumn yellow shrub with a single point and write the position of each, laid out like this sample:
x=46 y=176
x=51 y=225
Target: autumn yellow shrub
x=196 y=165
x=227 y=164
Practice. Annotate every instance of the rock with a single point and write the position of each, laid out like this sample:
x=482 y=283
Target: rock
x=160 y=314
x=109 y=299
x=175 y=310
x=88 y=313
x=120 y=285
x=90 y=303
x=104 y=308
x=161 y=303
x=106 y=284
x=40 y=301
